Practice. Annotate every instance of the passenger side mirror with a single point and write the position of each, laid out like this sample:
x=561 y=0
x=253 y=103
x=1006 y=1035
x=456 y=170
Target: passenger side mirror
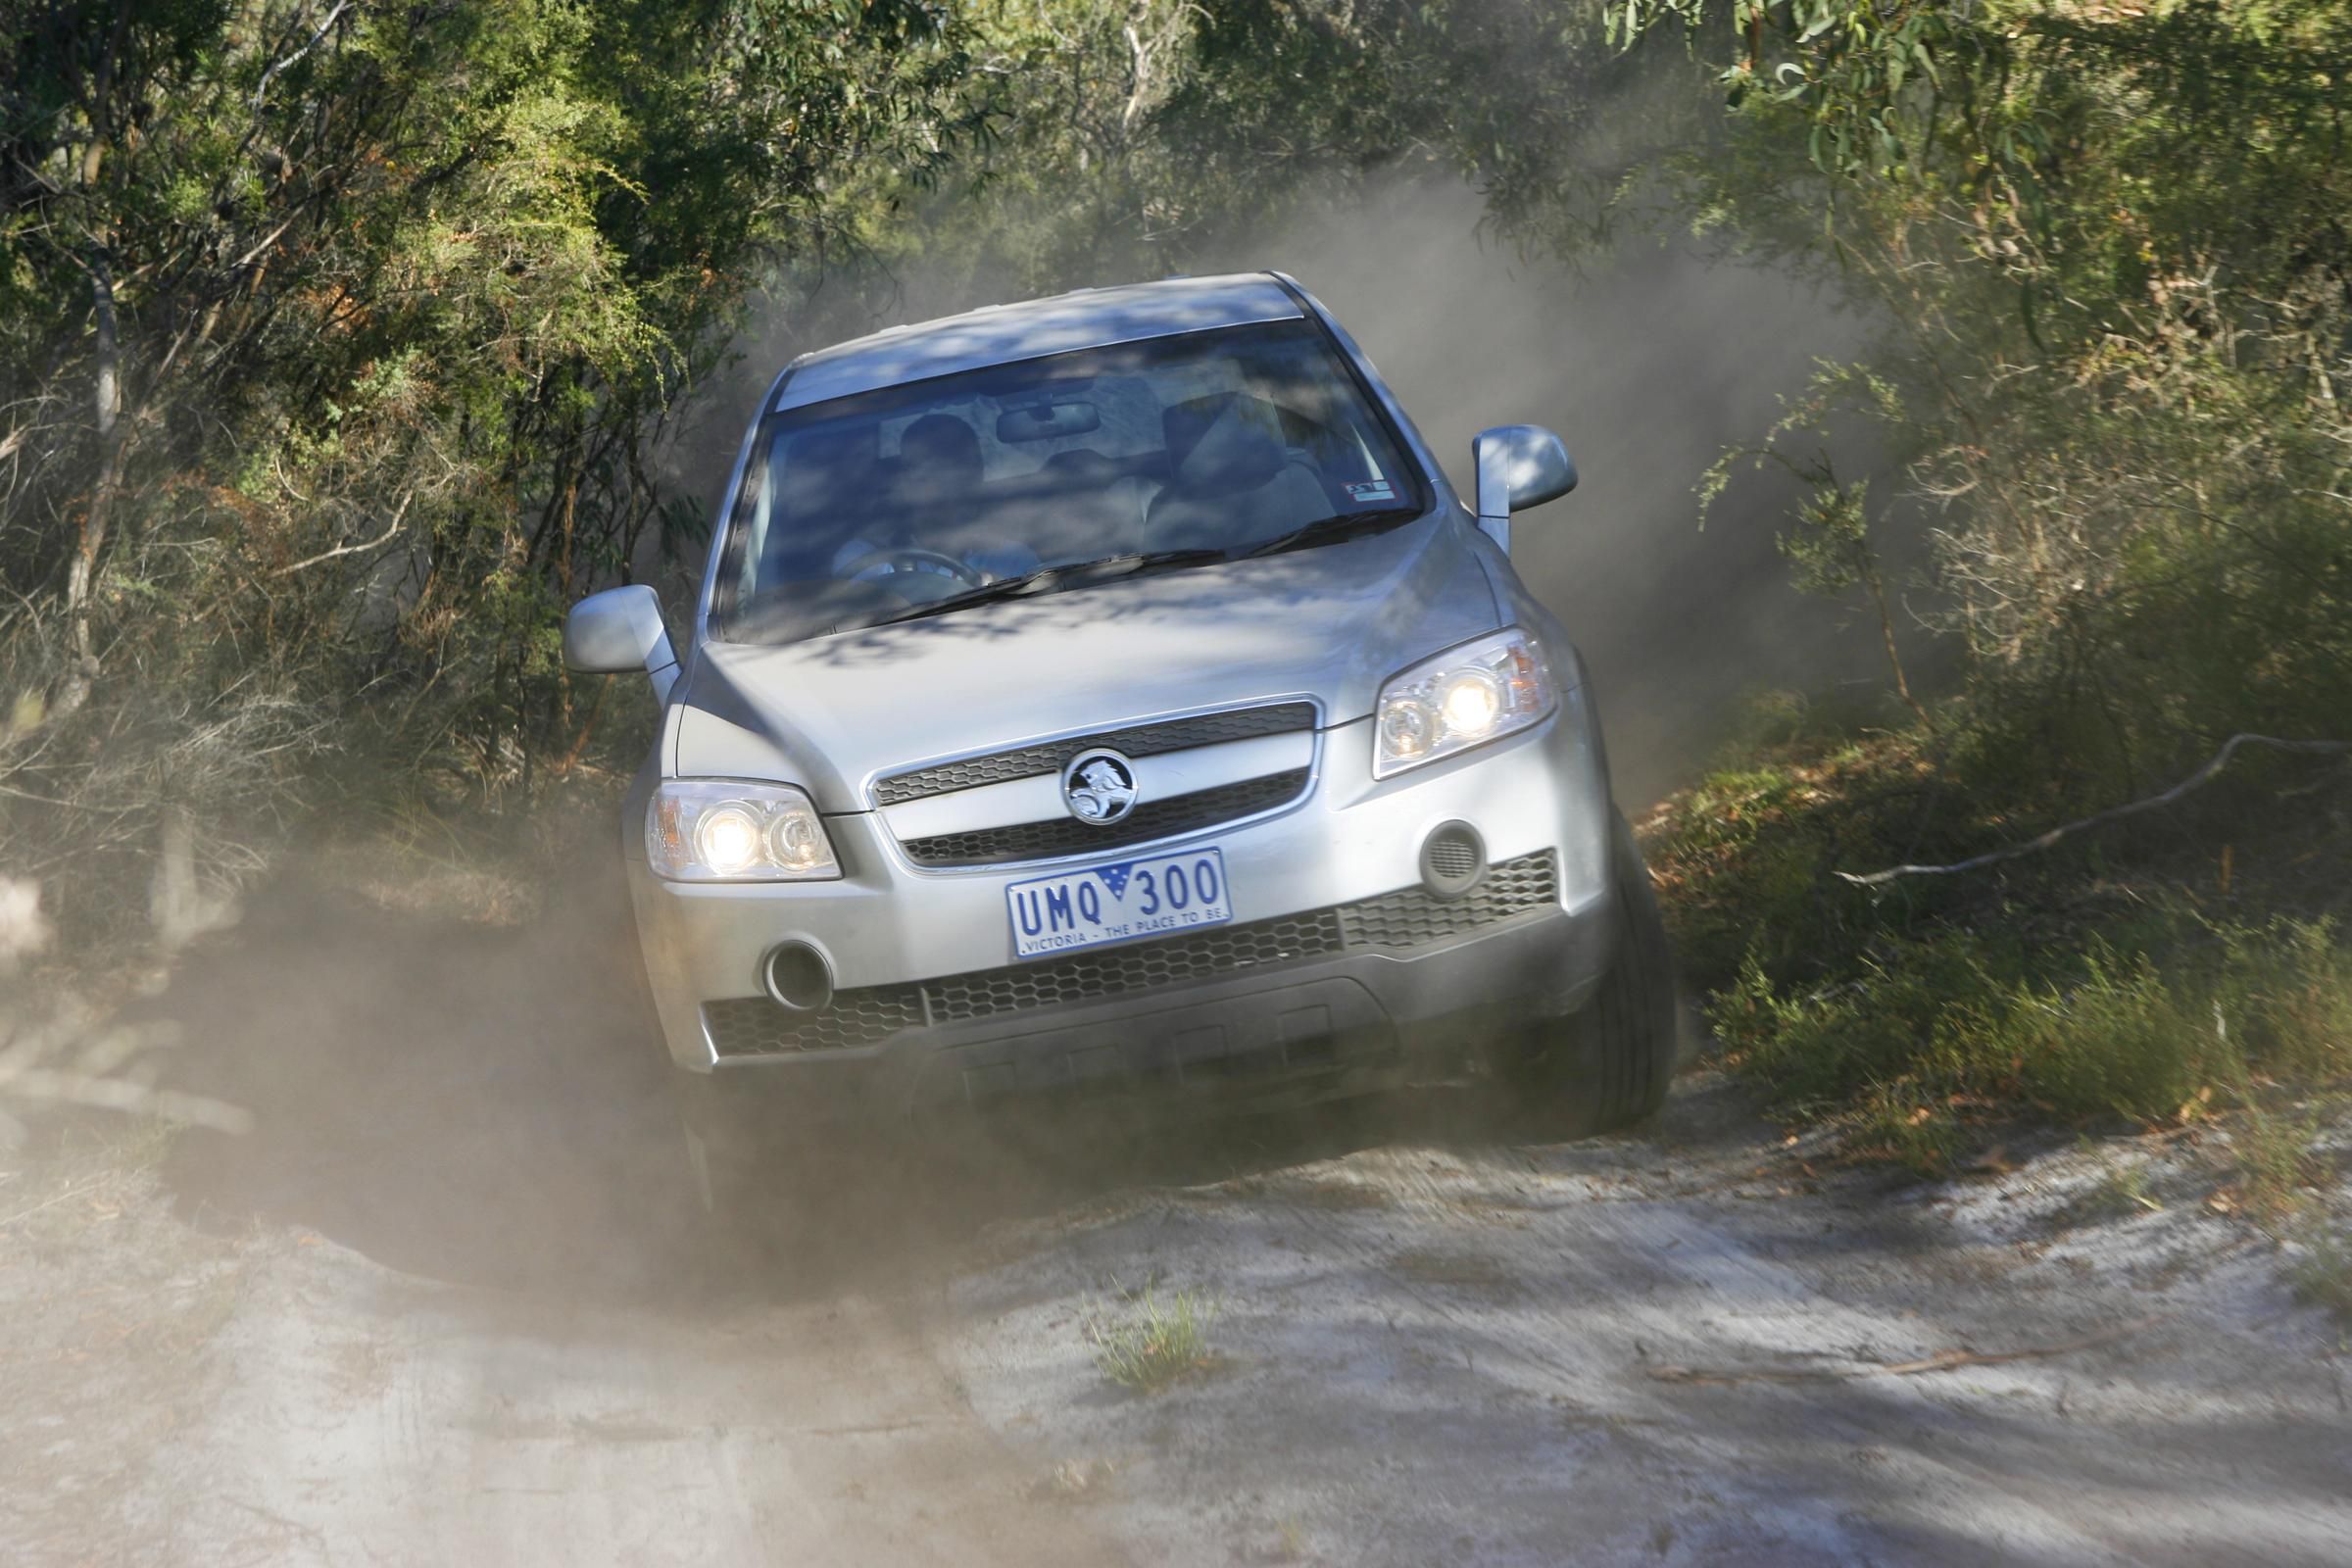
x=1519 y=466
x=619 y=630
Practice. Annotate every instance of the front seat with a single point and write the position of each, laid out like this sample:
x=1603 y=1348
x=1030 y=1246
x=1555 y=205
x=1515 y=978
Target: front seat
x=1096 y=503
x=1232 y=481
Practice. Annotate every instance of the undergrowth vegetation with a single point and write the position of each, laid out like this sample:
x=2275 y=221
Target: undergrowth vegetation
x=2322 y=1276
x=2108 y=244
x=338 y=348
x=2154 y=976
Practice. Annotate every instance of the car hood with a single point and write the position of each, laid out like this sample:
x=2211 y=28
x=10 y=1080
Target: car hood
x=834 y=713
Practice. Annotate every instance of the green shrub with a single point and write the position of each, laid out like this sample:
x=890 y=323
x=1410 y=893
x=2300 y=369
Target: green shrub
x=2118 y=1041
x=2289 y=986
x=1923 y=1032
x=2322 y=1276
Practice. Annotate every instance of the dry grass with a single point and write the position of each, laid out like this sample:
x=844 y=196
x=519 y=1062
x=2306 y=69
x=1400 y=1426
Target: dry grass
x=1075 y=1480
x=2275 y=1150
x=2120 y=1193
x=1157 y=1342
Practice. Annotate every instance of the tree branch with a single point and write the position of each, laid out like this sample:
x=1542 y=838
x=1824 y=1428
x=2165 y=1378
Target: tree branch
x=261 y=89
x=2197 y=780
x=383 y=538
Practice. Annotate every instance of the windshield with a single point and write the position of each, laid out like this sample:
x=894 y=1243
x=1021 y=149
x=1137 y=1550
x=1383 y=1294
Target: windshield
x=1171 y=452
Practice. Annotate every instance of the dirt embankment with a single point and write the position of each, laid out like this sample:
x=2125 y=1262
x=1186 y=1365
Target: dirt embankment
x=445 y=1304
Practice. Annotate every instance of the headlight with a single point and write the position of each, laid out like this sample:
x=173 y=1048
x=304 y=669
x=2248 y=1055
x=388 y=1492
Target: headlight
x=713 y=830
x=1464 y=696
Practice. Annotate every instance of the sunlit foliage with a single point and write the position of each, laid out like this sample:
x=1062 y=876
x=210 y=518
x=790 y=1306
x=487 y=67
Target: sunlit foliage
x=333 y=340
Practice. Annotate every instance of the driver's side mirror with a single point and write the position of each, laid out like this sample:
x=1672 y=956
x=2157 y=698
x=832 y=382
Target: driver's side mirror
x=619 y=630
x=1519 y=466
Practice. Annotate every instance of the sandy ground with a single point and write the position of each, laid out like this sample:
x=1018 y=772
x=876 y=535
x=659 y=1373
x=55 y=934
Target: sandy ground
x=359 y=1416
x=1677 y=1347
x=447 y=1303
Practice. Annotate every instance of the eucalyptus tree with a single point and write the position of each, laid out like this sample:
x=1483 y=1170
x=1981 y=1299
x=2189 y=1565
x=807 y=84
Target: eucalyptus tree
x=2110 y=238
x=332 y=333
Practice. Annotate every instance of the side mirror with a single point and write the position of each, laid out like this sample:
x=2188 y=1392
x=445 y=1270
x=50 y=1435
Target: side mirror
x=619 y=630
x=1519 y=466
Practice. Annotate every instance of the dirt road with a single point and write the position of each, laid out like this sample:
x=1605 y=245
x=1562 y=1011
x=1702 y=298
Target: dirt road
x=449 y=1309
x=1677 y=1347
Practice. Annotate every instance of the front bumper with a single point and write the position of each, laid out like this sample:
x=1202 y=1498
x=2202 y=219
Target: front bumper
x=1288 y=1032
x=1333 y=946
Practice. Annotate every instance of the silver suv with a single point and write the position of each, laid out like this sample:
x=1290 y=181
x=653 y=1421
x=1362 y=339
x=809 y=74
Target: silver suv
x=1110 y=693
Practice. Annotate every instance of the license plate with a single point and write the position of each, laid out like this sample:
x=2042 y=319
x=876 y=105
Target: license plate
x=1154 y=897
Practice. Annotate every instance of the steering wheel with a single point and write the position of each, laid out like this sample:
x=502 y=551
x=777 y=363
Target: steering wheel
x=862 y=569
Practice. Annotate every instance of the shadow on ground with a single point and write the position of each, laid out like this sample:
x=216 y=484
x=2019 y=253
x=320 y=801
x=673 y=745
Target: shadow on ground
x=478 y=1104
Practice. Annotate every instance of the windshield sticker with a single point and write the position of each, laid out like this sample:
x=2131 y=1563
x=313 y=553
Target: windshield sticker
x=1371 y=490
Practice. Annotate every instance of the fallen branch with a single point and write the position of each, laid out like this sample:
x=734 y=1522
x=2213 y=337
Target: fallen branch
x=2197 y=780
x=1942 y=1362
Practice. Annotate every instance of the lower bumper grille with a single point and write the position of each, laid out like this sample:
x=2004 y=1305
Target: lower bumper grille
x=866 y=1015
x=756 y=1026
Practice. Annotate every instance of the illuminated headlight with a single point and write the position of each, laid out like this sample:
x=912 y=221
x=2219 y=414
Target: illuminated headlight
x=714 y=830
x=1464 y=696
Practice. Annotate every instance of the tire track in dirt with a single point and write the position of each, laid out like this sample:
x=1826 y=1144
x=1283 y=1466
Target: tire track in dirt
x=368 y=1417
x=1491 y=1319
x=1585 y=1302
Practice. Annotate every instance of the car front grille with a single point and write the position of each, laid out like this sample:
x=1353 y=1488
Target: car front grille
x=1153 y=819
x=1135 y=740
x=866 y=1015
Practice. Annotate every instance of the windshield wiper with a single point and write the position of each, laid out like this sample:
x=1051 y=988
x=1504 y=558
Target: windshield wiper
x=1326 y=530
x=1051 y=579
x=1103 y=568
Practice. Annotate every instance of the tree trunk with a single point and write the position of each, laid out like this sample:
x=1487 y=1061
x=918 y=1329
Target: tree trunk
x=113 y=446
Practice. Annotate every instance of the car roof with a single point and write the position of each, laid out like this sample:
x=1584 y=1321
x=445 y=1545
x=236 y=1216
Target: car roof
x=1083 y=319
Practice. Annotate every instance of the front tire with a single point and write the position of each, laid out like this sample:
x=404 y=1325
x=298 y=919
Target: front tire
x=1608 y=1064
x=745 y=1175
x=767 y=1177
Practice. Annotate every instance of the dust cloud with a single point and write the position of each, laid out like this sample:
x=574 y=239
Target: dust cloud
x=474 y=1097
x=1649 y=362
x=478 y=1101
x=1650 y=359
x=463 y=1264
